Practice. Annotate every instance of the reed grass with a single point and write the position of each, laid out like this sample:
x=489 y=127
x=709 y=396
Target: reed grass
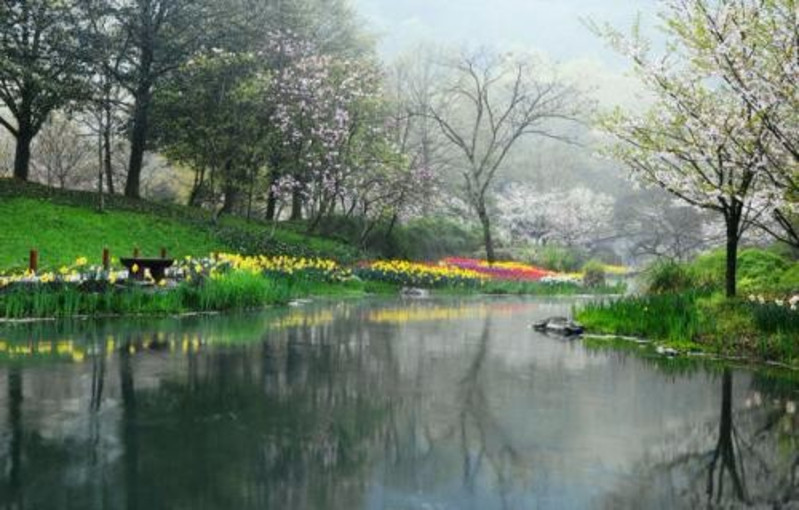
x=673 y=317
x=232 y=291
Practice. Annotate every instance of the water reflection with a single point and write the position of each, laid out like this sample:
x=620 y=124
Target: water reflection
x=385 y=404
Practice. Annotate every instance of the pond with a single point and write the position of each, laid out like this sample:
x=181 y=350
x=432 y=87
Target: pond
x=379 y=404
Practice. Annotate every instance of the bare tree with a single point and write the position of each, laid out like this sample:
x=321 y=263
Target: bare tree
x=61 y=154
x=486 y=106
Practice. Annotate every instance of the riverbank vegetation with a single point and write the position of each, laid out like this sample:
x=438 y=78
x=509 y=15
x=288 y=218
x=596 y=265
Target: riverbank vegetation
x=685 y=304
x=236 y=282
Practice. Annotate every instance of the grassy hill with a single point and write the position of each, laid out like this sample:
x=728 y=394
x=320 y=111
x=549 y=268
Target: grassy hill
x=64 y=225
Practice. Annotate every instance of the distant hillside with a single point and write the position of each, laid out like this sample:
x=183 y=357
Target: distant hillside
x=64 y=225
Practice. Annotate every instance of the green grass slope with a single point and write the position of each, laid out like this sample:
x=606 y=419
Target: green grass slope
x=64 y=225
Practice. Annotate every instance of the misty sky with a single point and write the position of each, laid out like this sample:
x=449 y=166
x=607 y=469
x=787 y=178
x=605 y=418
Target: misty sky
x=552 y=26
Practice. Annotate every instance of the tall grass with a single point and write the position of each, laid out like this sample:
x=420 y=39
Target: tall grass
x=672 y=317
x=232 y=291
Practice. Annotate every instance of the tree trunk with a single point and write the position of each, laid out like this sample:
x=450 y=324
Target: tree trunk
x=271 y=205
x=100 y=204
x=109 y=169
x=22 y=155
x=487 y=239
x=196 y=189
x=296 y=205
x=733 y=221
x=138 y=141
x=231 y=199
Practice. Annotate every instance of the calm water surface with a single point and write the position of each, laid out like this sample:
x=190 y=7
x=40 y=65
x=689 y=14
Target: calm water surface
x=389 y=404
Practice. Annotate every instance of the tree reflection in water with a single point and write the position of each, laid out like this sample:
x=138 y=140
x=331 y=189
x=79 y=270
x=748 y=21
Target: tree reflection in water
x=378 y=406
x=288 y=422
x=751 y=460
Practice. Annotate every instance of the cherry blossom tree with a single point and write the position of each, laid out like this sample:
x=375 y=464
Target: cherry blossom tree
x=700 y=141
x=752 y=46
x=573 y=217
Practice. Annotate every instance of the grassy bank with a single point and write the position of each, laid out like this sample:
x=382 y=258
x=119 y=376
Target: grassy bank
x=685 y=308
x=64 y=225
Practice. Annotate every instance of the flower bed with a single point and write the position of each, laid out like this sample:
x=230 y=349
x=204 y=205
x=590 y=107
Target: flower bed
x=506 y=271
x=412 y=274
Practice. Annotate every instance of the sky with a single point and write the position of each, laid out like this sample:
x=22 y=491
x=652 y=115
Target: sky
x=555 y=28
x=551 y=26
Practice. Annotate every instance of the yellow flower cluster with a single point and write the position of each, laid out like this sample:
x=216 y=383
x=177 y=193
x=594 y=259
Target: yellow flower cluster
x=75 y=273
x=424 y=275
x=323 y=269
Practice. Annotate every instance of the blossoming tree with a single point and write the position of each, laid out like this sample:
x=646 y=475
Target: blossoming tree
x=700 y=141
x=752 y=46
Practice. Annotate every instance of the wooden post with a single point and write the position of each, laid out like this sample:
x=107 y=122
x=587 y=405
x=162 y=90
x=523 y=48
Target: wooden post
x=33 y=260
x=106 y=259
x=163 y=252
x=136 y=252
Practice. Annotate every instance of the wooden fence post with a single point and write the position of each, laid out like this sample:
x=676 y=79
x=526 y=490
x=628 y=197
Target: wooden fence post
x=33 y=260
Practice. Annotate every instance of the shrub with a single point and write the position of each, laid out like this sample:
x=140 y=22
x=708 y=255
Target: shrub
x=789 y=281
x=668 y=276
x=594 y=274
x=559 y=258
x=757 y=269
x=436 y=238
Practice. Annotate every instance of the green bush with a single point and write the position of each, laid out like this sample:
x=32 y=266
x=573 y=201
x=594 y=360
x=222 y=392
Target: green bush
x=436 y=238
x=559 y=258
x=593 y=274
x=789 y=281
x=668 y=276
x=757 y=269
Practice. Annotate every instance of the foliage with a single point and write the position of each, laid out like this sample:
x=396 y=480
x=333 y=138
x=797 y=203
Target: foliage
x=594 y=274
x=559 y=258
x=789 y=281
x=757 y=269
x=668 y=276
x=432 y=238
x=41 y=67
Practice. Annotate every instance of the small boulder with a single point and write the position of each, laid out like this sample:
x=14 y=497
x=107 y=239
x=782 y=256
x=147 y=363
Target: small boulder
x=413 y=292
x=559 y=325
